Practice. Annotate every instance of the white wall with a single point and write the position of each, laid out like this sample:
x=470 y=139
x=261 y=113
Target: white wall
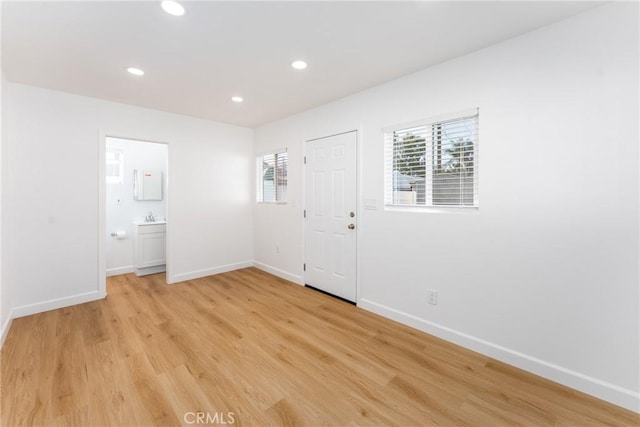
x=5 y=296
x=5 y=299
x=545 y=275
x=51 y=193
x=120 y=216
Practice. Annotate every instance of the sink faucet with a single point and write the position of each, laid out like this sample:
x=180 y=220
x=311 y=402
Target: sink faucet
x=150 y=217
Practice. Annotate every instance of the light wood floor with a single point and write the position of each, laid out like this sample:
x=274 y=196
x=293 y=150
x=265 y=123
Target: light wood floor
x=268 y=351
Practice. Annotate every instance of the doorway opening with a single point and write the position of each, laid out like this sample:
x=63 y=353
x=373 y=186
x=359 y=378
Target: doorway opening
x=135 y=207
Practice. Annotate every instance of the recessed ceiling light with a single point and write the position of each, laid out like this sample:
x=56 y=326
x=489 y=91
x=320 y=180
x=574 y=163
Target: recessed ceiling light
x=237 y=99
x=299 y=65
x=135 y=71
x=172 y=8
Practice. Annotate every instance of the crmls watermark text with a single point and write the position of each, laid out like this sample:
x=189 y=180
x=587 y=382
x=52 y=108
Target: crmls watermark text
x=219 y=418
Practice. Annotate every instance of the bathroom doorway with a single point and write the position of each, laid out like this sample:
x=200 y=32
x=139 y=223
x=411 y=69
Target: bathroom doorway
x=134 y=207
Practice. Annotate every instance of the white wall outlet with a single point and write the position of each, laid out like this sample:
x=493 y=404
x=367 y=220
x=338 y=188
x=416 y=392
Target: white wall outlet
x=277 y=248
x=432 y=296
x=119 y=201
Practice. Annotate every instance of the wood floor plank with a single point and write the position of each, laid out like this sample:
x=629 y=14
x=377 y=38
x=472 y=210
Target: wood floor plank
x=269 y=353
x=183 y=393
x=150 y=392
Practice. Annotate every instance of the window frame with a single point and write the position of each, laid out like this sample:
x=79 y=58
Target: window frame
x=279 y=197
x=119 y=162
x=430 y=126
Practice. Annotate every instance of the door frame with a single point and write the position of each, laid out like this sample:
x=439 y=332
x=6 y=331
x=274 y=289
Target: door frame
x=303 y=244
x=102 y=205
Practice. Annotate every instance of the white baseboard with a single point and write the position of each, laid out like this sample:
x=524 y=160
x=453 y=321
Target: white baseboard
x=120 y=270
x=601 y=389
x=5 y=328
x=39 y=307
x=280 y=273
x=150 y=270
x=207 y=272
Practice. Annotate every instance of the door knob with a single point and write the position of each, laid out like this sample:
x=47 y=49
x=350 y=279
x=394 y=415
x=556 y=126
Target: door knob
x=351 y=226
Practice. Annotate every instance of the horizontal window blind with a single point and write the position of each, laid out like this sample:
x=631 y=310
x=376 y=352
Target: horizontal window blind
x=281 y=177
x=114 y=167
x=433 y=164
x=272 y=177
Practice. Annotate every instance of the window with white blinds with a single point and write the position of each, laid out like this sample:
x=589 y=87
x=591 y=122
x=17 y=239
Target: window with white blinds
x=433 y=163
x=272 y=177
x=114 y=167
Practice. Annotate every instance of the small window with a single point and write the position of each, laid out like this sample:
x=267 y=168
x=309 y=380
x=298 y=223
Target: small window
x=433 y=163
x=272 y=177
x=114 y=167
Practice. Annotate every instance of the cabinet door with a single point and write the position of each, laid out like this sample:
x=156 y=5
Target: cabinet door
x=151 y=250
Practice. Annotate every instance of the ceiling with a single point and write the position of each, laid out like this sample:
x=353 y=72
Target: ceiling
x=195 y=63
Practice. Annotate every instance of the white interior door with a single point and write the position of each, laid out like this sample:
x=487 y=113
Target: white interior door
x=331 y=217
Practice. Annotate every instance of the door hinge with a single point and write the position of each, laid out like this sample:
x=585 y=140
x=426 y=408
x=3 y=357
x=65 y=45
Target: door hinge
x=304 y=213
x=305 y=160
x=304 y=267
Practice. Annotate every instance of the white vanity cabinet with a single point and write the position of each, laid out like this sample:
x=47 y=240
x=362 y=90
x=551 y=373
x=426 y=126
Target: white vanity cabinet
x=149 y=247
